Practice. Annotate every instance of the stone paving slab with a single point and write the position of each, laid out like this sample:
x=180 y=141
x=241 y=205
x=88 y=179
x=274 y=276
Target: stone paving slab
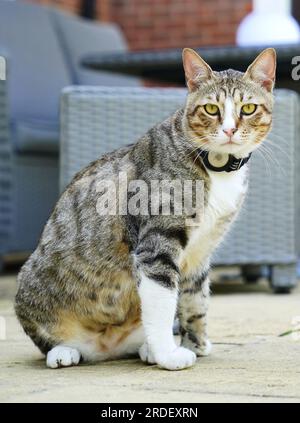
x=249 y=363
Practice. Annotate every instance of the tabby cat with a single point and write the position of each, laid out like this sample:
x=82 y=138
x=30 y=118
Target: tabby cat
x=106 y=286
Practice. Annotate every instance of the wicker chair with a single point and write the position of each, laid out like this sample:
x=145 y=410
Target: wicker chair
x=266 y=230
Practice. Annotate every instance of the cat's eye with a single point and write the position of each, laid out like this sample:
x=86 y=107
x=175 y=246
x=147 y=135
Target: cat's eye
x=211 y=109
x=249 y=109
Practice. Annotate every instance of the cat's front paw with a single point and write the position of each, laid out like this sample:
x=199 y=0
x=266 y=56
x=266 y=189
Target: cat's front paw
x=179 y=359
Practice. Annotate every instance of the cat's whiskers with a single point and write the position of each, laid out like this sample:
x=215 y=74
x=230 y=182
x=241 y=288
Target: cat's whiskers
x=269 y=142
x=195 y=148
x=268 y=155
x=273 y=157
x=196 y=158
x=198 y=153
x=265 y=161
x=280 y=137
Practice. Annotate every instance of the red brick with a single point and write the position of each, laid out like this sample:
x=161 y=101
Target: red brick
x=156 y=24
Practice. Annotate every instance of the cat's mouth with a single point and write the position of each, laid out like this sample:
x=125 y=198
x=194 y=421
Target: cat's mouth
x=232 y=147
x=230 y=142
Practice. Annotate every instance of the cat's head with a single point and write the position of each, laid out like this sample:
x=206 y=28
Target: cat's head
x=229 y=111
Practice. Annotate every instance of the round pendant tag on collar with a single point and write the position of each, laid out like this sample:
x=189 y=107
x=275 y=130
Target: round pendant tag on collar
x=218 y=160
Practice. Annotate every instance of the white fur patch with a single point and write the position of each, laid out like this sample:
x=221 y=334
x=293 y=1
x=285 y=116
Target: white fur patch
x=228 y=121
x=225 y=193
x=61 y=356
x=158 y=312
x=89 y=349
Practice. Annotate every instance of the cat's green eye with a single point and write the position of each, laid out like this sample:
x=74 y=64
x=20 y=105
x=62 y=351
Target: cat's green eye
x=211 y=109
x=249 y=109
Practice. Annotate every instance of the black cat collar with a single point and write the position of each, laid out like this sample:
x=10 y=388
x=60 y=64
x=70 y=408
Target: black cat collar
x=219 y=162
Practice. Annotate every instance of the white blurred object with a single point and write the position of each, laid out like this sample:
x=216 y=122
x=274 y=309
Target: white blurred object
x=270 y=22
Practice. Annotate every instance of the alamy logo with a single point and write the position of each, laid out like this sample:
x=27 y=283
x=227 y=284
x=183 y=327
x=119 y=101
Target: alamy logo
x=2 y=69
x=296 y=69
x=158 y=197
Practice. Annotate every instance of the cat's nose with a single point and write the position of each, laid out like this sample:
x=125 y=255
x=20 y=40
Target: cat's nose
x=230 y=132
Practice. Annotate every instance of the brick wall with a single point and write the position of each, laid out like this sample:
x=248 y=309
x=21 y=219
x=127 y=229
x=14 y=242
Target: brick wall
x=153 y=24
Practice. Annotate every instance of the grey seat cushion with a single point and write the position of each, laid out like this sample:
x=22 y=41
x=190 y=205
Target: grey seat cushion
x=36 y=136
x=43 y=48
x=37 y=69
x=79 y=37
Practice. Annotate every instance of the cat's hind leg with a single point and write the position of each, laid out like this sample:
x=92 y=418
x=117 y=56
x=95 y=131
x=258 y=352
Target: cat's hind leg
x=62 y=356
x=89 y=351
x=87 y=345
x=96 y=348
x=57 y=355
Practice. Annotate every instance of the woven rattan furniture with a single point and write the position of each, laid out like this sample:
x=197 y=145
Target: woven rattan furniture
x=94 y=121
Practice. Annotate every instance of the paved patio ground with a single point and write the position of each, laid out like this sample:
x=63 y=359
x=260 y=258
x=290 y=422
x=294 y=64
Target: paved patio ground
x=249 y=363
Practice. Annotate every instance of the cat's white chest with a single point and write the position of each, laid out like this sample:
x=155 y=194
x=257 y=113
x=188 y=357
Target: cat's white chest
x=225 y=195
x=226 y=190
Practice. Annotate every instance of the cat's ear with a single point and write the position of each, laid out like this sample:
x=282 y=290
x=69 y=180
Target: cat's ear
x=263 y=69
x=195 y=68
